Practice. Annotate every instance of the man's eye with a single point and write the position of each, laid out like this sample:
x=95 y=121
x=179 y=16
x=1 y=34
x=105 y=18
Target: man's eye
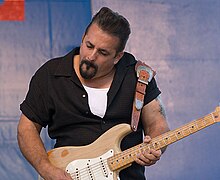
x=103 y=53
x=89 y=46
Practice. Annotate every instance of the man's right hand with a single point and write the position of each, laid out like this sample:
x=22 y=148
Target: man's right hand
x=56 y=174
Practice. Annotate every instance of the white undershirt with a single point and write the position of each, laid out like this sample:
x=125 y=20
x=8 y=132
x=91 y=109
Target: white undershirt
x=97 y=100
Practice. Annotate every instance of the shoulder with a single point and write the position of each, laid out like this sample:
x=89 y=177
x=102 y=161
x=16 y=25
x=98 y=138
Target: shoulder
x=57 y=66
x=129 y=59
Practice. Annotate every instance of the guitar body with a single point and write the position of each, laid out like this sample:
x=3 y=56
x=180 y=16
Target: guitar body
x=103 y=159
x=90 y=161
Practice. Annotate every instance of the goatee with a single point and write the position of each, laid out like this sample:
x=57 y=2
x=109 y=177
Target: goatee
x=87 y=69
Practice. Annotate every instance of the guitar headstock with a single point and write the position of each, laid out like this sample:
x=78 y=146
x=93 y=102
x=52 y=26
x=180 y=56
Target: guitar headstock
x=216 y=114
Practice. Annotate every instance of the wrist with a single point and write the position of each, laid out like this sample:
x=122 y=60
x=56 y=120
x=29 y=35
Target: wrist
x=44 y=168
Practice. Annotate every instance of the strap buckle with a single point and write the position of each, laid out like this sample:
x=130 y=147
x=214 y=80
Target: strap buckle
x=147 y=69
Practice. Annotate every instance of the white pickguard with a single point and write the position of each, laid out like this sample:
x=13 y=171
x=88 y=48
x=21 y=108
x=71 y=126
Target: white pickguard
x=91 y=169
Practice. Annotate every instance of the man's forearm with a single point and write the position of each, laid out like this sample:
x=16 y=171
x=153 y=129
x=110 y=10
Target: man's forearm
x=32 y=146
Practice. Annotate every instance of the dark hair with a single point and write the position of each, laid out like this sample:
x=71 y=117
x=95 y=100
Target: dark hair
x=112 y=23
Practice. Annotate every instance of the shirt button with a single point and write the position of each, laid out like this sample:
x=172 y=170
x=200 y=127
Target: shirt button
x=103 y=122
x=83 y=95
x=87 y=112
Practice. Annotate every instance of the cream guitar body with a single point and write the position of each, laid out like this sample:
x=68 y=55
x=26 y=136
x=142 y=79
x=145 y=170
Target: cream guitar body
x=103 y=159
x=91 y=162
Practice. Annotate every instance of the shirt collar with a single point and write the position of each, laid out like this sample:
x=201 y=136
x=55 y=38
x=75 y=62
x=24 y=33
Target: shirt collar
x=65 y=67
x=126 y=60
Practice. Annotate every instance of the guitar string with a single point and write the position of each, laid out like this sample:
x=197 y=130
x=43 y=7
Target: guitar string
x=96 y=166
x=97 y=175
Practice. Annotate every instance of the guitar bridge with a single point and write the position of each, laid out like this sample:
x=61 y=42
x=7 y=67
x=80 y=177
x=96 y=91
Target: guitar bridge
x=91 y=169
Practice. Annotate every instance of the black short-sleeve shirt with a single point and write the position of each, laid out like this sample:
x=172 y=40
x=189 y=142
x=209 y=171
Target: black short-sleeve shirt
x=57 y=99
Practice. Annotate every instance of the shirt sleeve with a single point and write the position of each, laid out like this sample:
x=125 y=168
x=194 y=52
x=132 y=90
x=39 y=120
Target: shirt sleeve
x=35 y=107
x=152 y=91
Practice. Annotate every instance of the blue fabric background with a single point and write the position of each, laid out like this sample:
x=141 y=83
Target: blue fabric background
x=51 y=28
x=179 y=39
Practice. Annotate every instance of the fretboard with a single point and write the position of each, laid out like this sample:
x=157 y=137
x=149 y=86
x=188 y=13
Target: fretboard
x=125 y=158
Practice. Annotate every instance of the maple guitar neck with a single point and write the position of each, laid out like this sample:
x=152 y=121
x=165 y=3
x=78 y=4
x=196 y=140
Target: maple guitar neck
x=124 y=159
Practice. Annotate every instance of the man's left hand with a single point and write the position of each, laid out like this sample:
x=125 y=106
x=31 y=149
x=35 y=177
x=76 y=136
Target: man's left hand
x=148 y=157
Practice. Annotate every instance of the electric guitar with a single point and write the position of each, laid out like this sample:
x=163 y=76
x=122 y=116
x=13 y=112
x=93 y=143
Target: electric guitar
x=103 y=159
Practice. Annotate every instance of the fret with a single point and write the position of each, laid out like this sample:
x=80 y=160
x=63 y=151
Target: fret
x=200 y=123
x=142 y=146
x=162 y=143
x=208 y=120
x=213 y=117
x=147 y=147
x=186 y=132
x=156 y=145
x=196 y=125
x=179 y=134
x=166 y=140
x=174 y=137
x=203 y=119
x=151 y=146
x=192 y=128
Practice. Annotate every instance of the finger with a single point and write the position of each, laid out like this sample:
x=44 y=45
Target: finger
x=144 y=163
x=156 y=153
x=147 y=139
x=149 y=155
x=142 y=160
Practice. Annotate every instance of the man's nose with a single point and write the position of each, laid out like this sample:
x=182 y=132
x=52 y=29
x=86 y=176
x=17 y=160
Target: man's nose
x=93 y=55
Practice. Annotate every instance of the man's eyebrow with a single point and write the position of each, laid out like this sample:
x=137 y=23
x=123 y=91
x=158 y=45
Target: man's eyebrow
x=88 y=42
x=104 y=50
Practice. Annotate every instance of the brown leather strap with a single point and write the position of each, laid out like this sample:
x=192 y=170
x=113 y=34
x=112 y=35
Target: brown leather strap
x=144 y=74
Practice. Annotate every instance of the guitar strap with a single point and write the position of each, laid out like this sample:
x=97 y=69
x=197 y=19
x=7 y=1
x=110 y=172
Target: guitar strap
x=144 y=75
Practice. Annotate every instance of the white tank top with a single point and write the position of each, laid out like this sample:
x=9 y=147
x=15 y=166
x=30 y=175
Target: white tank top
x=97 y=100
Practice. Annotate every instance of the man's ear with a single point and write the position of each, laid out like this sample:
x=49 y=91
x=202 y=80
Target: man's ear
x=118 y=57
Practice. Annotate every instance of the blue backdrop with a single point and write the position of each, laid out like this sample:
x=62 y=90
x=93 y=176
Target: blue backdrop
x=179 y=39
x=50 y=28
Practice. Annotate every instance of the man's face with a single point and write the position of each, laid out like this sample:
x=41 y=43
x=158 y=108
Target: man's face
x=98 y=53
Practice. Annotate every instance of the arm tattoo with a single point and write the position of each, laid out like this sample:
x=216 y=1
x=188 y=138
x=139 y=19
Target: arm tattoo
x=162 y=109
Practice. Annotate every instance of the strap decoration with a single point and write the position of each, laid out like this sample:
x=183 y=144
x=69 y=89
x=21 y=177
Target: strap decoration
x=144 y=74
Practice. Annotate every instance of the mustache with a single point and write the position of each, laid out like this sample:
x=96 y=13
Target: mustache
x=88 y=64
x=88 y=69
